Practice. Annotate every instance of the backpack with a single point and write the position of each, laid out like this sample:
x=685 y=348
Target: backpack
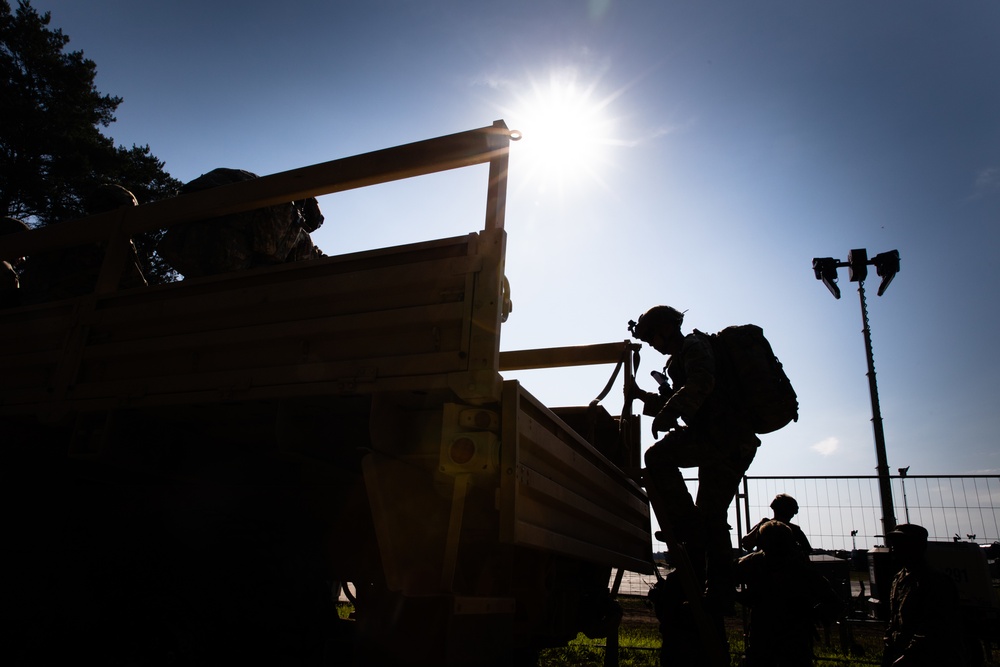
x=759 y=385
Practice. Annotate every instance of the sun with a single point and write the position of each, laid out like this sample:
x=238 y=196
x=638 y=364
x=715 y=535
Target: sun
x=566 y=131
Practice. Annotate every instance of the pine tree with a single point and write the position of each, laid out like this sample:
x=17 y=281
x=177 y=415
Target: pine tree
x=52 y=150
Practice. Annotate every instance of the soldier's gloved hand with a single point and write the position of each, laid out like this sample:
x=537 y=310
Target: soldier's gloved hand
x=637 y=393
x=665 y=420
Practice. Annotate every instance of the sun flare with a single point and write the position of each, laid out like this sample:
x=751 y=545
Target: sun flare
x=565 y=130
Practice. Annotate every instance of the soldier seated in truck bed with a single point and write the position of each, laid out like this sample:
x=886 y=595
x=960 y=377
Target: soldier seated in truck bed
x=262 y=237
x=9 y=278
x=73 y=271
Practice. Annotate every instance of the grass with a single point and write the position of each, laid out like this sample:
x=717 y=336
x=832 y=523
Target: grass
x=639 y=642
x=639 y=647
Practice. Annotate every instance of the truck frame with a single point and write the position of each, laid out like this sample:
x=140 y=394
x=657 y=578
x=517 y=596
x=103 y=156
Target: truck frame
x=226 y=452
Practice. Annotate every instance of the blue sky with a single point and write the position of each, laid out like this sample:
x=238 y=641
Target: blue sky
x=717 y=148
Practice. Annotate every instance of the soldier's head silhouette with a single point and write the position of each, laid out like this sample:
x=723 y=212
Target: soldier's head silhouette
x=785 y=507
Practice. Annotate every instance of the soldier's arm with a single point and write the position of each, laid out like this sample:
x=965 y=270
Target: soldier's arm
x=800 y=538
x=652 y=403
x=749 y=541
x=699 y=367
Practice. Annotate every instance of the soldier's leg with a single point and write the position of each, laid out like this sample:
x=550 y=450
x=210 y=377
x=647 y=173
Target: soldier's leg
x=663 y=463
x=704 y=638
x=719 y=480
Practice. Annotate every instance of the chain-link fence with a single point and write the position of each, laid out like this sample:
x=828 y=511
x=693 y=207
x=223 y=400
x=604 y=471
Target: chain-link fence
x=845 y=513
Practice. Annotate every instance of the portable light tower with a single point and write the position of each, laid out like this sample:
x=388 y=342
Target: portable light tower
x=886 y=267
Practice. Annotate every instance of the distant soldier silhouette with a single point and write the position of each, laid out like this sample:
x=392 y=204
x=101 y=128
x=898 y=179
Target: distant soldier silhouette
x=924 y=627
x=716 y=438
x=786 y=598
x=785 y=507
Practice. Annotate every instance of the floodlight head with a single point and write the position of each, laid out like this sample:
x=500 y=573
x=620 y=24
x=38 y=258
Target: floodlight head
x=857 y=261
x=886 y=266
x=825 y=269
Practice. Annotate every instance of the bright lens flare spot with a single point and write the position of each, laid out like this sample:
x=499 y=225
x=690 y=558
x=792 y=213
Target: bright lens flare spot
x=562 y=130
x=566 y=132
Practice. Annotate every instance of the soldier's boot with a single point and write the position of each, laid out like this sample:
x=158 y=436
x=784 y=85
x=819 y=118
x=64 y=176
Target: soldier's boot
x=714 y=649
x=720 y=577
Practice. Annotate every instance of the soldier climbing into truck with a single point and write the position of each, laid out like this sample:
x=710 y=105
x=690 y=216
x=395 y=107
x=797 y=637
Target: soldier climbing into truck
x=710 y=392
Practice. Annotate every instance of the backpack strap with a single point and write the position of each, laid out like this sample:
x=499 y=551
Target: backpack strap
x=618 y=368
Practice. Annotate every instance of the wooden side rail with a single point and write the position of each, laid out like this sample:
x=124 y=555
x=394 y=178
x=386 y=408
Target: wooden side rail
x=557 y=357
x=351 y=324
x=489 y=144
x=558 y=493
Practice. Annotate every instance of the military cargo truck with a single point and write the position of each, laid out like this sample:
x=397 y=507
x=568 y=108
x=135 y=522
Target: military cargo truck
x=194 y=469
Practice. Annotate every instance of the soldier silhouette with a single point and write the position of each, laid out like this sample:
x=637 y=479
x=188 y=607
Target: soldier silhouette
x=785 y=507
x=786 y=598
x=924 y=614
x=715 y=437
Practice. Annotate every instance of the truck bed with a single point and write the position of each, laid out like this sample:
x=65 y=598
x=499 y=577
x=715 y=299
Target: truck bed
x=337 y=419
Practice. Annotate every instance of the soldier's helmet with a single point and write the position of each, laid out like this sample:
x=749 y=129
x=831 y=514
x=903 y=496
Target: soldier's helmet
x=785 y=504
x=108 y=197
x=654 y=318
x=907 y=535
x=217 y=177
